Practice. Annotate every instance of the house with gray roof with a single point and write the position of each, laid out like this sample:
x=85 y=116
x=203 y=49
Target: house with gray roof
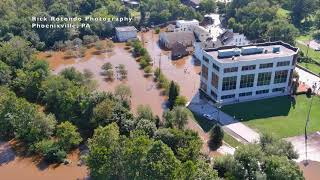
x=126 y=33
x=168 y=39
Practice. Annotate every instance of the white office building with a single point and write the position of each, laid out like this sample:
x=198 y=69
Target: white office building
x=232 y=74
x=126 y=33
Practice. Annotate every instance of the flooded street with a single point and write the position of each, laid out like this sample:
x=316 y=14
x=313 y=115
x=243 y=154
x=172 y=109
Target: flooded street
x=185 y=71
x=16 y=167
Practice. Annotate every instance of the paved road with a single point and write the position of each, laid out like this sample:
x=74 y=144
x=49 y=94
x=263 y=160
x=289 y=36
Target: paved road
x=238 y=130
x=306 y=77
x=313 y=146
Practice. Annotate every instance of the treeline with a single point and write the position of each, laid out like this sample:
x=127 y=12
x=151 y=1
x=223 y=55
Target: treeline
x=258 y=20
x=16 y=18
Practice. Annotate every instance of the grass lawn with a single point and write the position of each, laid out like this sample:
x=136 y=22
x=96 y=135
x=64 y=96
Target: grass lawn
x=305 y=37
x=206 y=125
x=315 y=55
x=311 y=66
x=231 y=141
x=280 y=115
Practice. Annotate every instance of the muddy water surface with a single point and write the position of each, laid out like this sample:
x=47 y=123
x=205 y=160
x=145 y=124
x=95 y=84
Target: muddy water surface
x=16 y=167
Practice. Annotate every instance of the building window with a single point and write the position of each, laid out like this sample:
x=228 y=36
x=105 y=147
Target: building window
x=279 y=89
x=247 y=81
x=204 y=72
x=214 y=95
x=283 y=63
x=215 y=67
x=264 y=79
x=267 y=65
x=228 y=96
x=229 y=83
x=229 y=70
x=280 y=76
x=203 y=86
x=262 y=91
x=205 y=59
x=245 y=94
x=215 y=80
x=248 y=68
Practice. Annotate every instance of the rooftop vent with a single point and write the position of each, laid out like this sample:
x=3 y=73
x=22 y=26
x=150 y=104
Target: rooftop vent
x=251 y=50
x=276 y=49
x=227 y=53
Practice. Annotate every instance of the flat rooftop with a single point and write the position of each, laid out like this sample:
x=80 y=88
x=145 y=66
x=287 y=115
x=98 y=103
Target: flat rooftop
x=126 y=28
x=285 y=50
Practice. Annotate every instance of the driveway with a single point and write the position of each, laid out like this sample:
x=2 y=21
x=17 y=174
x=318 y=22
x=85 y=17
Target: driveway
x=233 y=127
x=313 y=146
x=306 y=77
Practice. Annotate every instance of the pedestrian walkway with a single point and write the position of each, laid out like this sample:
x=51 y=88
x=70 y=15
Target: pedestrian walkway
x=235 y=128
x=306 y=77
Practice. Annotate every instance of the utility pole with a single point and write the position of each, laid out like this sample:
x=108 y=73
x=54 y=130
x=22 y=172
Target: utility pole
x=315 y=90
x=160 y=63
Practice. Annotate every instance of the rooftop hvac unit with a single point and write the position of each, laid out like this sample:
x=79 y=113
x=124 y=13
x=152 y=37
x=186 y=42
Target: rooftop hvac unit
x=251 y=50
x=276 y=49
x=228 y=53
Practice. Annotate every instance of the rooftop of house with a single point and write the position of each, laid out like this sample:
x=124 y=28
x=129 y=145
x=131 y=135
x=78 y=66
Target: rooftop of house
x=173 y=37
x=230 y=54
x=126 y=29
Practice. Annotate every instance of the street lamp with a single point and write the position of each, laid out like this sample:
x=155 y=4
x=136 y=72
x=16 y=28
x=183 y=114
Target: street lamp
x=314 y=91
x=218 y=105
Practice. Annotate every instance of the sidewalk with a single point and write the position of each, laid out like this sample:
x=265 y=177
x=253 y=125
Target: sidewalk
x=240 y=131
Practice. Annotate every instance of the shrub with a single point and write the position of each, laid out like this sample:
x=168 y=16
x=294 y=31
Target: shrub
x=180 y=101
x=148 y=69
x=157 y=30
x=107 y=66
x=51 y=151
x=216 y=136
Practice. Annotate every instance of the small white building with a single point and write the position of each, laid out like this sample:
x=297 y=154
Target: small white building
x=184 y=25
x=126 y=33
x=234 y=74
x=215 y=18
x=229 y=38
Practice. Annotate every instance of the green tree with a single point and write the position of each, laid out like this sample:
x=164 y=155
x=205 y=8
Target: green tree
x=228 y=167
x=181 y=101
x=135 y=152
x=280 y=168
x=123 y=92
x=5 y=73
x=186 y=144
x=249 y=156
x=216 y=137
x=50 y=150
x=73 y=75
x=174 y=91
x=68 y=135
x=103 y=113
x=160 y=163
x=145 y=112
x=282 y=30
x=147 y=126
x=16 y=53
x=104 y=158
x=207 y=6
x=198 y=170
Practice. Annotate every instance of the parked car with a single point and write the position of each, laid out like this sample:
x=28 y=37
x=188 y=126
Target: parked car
x=317 y=49
x=208 y=116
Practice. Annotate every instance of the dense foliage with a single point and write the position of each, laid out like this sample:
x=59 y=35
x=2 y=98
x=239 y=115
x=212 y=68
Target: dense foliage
x=271 y=158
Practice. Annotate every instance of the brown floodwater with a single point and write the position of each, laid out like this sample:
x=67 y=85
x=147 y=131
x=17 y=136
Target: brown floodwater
x=143 y=88
x=16 y=167
x=185 y=71
x=311 y=171
x=144 y=91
